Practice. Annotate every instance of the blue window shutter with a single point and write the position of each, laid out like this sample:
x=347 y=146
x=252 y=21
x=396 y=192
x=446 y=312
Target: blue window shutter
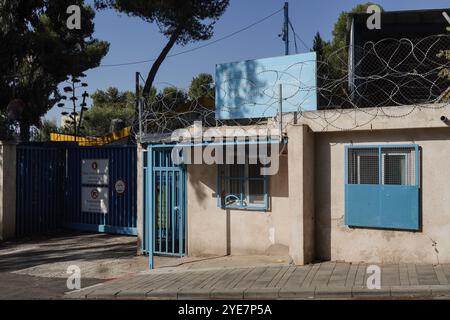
x=393 y=202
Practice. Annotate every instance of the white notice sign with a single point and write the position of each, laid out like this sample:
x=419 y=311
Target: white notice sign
x=94 y=199
x=95 y=171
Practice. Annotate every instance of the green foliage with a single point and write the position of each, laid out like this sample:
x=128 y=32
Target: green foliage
x=201 y=86
x=340 y=27
x=172 y=97
x=37 y=47
x=445 y=73
x=333 y=58
x=107 y=106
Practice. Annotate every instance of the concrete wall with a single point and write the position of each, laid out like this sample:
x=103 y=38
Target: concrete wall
x=335 y=241
x=288 y=225
x=7 y=190
x=306 y=216
x=301 y=194
x=215 y=231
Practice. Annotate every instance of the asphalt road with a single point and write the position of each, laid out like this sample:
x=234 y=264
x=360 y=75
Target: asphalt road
x=25 y=287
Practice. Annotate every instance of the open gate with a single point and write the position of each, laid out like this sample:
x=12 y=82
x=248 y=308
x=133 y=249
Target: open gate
x=164 y=203
x=81 y=188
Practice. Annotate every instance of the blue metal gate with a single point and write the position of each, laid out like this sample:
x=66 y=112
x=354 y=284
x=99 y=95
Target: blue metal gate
x=51 y=193
x=164 y=204
x=39 y=189
x=121 y=212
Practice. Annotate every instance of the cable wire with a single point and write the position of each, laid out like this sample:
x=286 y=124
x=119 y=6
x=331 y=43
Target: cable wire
x=296 y=36
x=196 y=48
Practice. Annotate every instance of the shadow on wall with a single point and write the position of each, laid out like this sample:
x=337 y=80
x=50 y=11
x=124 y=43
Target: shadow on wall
x=279 y=183
x=322 y=177
x=239 y=86
x=203 y=182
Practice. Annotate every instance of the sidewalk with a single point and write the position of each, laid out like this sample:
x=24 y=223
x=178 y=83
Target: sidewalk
x=328 y=280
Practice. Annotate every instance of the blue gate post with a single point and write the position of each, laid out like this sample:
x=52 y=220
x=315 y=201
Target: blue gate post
x=149 y=207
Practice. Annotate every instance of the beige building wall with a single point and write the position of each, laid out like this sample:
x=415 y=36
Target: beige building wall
x=286 y=228
x=7 y=190
x=307 y=198
x=216 y=231
x=335 y=241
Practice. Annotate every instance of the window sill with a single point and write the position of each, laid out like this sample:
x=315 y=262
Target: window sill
x=251 y=208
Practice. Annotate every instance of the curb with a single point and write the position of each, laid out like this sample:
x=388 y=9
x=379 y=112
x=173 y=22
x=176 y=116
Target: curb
x=305 y=293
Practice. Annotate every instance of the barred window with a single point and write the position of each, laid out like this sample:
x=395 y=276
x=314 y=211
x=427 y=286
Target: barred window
x=363 y=166
x=242 y=186
x=383 y=187
x=397 y=166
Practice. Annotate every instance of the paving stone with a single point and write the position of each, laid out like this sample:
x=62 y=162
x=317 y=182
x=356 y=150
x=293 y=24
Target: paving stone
x=310 y=276
x=442 y=278
x=266 y=278
x=284 y=279
x=103 y=292
x=261 y=293
x=403 y=274
x=351 y=275
x=277 y=278
x=242 y=274
x=132 y=294
x=297 y=277
x=412 y=275
x=360 y=275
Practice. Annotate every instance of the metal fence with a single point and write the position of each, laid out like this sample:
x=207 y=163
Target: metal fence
x=50 y=187
x=40 y=185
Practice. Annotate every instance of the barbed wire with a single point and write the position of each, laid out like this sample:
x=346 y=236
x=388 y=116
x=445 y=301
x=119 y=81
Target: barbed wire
x=385 y=74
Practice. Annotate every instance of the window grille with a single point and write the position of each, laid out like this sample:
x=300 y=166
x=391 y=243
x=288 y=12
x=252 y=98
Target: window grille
x=241 y=186
x=397 y=165
x=363 y=166
x=383 y=187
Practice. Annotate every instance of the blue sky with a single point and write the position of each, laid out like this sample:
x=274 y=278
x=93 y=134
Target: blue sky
x=134 y=40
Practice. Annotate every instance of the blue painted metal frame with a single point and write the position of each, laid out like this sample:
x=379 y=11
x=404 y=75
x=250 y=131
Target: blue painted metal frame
x=174 y=181
x=122 y=215
x=243 y=180
x=380 y=205
x=39 y=177
x=49 y=189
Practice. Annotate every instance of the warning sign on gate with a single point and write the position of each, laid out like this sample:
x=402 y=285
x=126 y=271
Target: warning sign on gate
x=94 y=199
x=95 y=171
x=120 y=186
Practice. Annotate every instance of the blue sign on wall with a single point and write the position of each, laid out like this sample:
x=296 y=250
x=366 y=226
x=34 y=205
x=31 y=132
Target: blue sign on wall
x=250 y=89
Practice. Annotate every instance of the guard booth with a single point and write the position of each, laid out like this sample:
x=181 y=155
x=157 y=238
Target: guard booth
x=62 y=185
x=164 y=190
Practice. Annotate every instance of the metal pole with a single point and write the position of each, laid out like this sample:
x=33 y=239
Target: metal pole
x=286 y=27
x=138 y=106
x=280 y=111
x=74 y=110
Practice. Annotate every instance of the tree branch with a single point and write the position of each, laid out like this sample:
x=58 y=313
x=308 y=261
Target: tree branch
x=157 y=64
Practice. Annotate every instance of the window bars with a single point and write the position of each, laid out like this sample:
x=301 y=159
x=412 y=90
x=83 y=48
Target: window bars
x=241 y=186
x=386 y=165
